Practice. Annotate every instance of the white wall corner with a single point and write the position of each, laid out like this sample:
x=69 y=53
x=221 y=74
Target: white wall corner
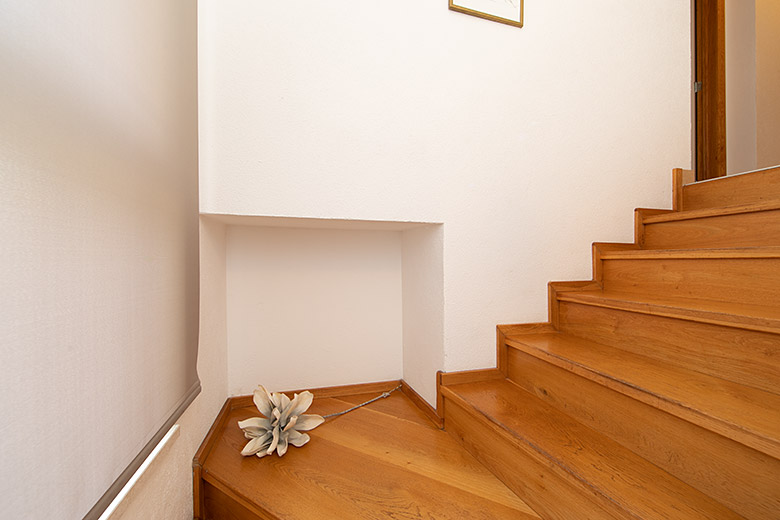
x=423 y=308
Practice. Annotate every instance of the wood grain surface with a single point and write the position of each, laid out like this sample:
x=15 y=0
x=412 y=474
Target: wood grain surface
x=734 y=190
x=743 y=413
x=744 y=356
x=753 y=281
x=728 y=314
x=738 y=229
x=691 y=453
x=619 y=481
x=385 y=460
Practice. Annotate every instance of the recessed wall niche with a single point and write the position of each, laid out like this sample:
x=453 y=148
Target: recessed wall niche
x=324 y=302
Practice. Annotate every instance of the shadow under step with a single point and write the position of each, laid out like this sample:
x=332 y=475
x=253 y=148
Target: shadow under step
x=562 y=468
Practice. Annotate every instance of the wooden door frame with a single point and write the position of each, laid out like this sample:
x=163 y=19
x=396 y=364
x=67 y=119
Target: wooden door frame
x=710 y=70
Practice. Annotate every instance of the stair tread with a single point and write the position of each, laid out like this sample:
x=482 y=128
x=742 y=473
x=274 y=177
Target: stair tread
x=697 y=253
x=749 y=316
x=743 y=413
x=610 y=470
x=712 y=212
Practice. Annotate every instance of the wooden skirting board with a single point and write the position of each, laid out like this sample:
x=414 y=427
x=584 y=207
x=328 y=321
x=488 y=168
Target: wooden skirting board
x=422 y=404
x=241 y=401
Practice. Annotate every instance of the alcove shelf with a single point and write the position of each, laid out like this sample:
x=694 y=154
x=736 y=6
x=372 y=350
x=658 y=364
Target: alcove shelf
x=318 y=302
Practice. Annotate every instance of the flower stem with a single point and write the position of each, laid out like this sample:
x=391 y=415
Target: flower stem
x=384 y=395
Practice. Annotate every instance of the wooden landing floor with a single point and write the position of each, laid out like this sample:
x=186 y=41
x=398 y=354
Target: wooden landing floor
x=385 y=460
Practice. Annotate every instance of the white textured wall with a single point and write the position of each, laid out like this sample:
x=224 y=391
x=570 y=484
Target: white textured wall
x=98 y=241
x=740 y=86
x=312 y=307
x=423 y=309
x=528 y=144
x=164 y=492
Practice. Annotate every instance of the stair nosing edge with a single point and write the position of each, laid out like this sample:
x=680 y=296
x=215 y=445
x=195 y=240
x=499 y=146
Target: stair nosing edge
x=724 y=211
x=703 y=253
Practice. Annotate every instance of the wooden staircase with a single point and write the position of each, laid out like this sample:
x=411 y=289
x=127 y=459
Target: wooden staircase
x=654 y=390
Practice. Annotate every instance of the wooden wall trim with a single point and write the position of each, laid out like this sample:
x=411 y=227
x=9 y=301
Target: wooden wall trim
x=470 y=376
x=640 y=217
x=243 y=401
x=711 y=99
x=677 y=189
x=422 y=404
x=553 y=288
x=198 y=491
x=599 y=249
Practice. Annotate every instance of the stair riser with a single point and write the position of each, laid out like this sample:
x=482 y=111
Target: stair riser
x=220 y=506
x=744 y=356
x=756 y=229
x=550 y=491
x=732 y=191
x=735 y=475
x=738 y=280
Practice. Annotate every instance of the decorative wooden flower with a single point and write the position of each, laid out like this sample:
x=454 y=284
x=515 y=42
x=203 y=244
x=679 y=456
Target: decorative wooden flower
x=282 y=425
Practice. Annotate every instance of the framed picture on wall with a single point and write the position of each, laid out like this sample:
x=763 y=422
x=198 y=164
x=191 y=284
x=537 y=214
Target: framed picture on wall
x=509 y=12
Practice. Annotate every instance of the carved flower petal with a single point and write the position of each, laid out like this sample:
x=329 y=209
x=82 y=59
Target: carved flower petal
x=281 y=448
x=274 y=441
x=257 y=444
x=297 y=438
x=262 y=400
x=287 y=411
x=308 y=422
x=251 y=433
x=300 y=403
x=291 y=423
x=255 y=425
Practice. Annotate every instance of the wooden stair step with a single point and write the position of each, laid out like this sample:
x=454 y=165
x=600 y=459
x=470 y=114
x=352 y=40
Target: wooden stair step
x=746 y=188
x=733 y=226
x=748 y=357
x=741 y=275
x=694 y=254
x=385 y=460
x=742 y=413
x=695 y=455
x=529 y=435
x=678 y=216
x=765 y=318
